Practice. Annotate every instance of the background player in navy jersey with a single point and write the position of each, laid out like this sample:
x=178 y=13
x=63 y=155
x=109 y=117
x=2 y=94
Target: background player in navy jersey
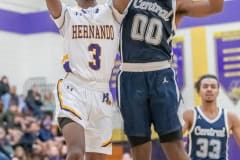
x=209 y=124
x=147 y=89
x=84 y=102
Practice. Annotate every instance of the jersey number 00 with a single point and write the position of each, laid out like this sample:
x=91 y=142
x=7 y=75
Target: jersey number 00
x=145 y=29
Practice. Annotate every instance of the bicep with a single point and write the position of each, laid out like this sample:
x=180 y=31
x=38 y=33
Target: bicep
x=187 y=118
x=236 y=128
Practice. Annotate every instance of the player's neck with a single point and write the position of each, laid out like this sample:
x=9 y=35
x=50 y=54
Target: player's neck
x=87 y=3
x=209 y=107
x=210 y=110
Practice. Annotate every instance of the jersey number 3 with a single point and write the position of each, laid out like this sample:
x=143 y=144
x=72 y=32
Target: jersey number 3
x=204 y=148
x=145 y=29
x=95 y=51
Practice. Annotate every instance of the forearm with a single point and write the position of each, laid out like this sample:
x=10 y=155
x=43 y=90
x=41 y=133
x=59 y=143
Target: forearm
x=199 y=8
x=216 y=5
x=54 y=7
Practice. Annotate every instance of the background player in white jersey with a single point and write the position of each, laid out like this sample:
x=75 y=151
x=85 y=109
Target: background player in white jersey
x=209 y=125
x=148 y=93
x=85 y=107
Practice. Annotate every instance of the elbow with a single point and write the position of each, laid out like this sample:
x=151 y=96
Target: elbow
x=213 y=11
x=218 y=9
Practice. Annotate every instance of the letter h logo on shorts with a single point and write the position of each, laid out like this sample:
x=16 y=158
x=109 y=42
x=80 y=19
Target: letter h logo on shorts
x=106 y=99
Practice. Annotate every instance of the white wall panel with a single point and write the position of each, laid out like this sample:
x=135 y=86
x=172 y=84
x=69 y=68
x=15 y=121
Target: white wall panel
x=37 y=55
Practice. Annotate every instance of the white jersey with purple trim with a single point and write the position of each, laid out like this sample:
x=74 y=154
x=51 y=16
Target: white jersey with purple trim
x=91 y=40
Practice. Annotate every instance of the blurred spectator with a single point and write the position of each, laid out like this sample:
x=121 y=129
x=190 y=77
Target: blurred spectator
x=19 y=153
x=14 y=135
x=49 y=101
x=30 y=136
x=14 y=97
x=4 y=85
x=7 y=118
x=34 y=102
x=1 y=106
x=4 y=155
x=55 y=130
x=5 y=147
x=22 y=104
x=4 y=93
x=53 y=152
x=45 y=133
x=38 y=149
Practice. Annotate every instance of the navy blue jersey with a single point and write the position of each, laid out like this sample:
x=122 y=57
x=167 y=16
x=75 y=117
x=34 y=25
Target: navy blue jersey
x=147 y=31
x=208 y=139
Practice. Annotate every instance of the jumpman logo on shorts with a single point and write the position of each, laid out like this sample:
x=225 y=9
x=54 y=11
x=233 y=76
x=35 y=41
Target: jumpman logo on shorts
x=165 y=80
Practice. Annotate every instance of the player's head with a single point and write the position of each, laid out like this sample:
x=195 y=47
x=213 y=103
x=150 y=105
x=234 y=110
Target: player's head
x=207 y=87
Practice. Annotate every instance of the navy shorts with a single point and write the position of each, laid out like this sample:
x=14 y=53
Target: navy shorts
x=147 y=98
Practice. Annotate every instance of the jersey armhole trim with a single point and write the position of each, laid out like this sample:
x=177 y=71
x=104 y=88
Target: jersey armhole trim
x=60 y=27
x=226 y=121
x=194 y=120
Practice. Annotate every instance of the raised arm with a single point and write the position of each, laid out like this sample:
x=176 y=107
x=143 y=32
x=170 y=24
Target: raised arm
x=54 y=7
x=120 y=5
x=188 y=120
x=235 y=126
x=199 y=8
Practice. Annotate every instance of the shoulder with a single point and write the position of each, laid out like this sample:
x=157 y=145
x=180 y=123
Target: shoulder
x=232 y=117
x=233 y=120
x=188 y=117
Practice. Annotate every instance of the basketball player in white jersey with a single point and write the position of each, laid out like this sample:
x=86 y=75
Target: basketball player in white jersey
x=209 y=124
x=90 y=34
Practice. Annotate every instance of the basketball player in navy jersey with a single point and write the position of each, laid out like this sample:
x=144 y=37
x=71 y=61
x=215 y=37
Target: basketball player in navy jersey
x=147 y=89
x=209 y=125
x=84 y=103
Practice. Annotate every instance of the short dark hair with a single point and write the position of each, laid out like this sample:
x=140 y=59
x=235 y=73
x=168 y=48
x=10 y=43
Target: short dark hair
x=198 y=83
